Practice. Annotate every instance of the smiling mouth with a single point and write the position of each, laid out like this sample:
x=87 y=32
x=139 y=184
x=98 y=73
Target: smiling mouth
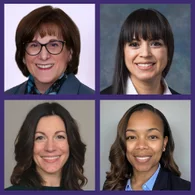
x=44 y=66
x=142 y=159
x=50 y=157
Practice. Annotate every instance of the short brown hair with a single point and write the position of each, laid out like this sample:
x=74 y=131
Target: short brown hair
x=35 y=21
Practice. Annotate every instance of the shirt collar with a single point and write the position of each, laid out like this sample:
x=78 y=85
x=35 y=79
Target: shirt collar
x=53 y=89
x=148 y=186
x=130 y=90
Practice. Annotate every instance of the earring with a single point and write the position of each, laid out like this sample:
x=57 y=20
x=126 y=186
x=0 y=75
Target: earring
x=24 y=61
x=164 y=149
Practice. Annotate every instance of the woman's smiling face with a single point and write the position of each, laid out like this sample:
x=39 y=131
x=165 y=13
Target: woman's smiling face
x=145 y=59
x=46 y=68
x=145 y=141
x=51 y=148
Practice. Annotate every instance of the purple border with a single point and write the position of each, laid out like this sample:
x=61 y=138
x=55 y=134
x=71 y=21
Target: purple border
x=95 y=97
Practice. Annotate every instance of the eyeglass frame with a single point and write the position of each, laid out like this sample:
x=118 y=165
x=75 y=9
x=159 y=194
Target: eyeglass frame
x=45 y=45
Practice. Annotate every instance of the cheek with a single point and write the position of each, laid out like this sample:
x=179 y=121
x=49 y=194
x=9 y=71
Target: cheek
x=64 y=148
x=162 y=56
x=38 y=148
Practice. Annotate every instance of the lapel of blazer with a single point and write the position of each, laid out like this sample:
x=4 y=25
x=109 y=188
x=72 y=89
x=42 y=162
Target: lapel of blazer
x=162 y=181
x=21 y=88
x=70 y=86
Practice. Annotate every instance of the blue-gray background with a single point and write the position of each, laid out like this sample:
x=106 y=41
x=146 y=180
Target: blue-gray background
x=112 y=17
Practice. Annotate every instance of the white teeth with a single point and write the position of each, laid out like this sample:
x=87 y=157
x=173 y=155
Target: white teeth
x=143 y=158
x=51 y=157
x=44 y=66
x=144 y=65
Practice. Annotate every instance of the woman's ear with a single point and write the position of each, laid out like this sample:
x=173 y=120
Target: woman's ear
x=24 y=61
x=70 y=55
x=165 y=143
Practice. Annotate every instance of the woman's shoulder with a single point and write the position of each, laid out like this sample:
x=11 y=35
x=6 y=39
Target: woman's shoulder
x=107 y=90
x=17 y=187
x=73 y=85
x=169 y=181
x=19 y=89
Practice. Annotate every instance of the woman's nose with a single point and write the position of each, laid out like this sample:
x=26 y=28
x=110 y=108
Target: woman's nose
x=44 y=54
x=50 y=146
x=142 y=144
x=145 y=50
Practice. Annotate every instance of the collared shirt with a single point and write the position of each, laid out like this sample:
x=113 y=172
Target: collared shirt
x=53 y=90
x=148 y=186
x=132 y=91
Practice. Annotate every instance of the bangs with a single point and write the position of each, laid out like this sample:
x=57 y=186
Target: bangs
x=145 y=25
x=49 y=29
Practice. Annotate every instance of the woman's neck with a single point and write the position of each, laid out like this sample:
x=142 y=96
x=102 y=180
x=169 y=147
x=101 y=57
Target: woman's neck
x=153 y=86
x=141 y=177
x=42 y=87
x=50 y=179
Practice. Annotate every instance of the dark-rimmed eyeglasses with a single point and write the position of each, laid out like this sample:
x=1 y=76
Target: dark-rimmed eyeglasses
x=55 y=47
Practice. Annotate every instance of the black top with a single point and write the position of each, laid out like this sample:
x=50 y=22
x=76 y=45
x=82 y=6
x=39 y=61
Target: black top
x=33 y=188
x=166 y=180
x=109 y=89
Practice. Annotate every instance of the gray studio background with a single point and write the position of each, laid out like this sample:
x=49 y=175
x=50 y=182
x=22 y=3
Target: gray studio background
x=83 y=111
x=112 y=17
x=178 y=115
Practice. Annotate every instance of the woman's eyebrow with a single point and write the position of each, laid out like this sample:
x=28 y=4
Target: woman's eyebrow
x=150 y=129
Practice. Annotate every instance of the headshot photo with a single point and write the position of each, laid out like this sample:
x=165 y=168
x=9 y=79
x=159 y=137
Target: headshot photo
x=145 y=145
x=49 y=49
x=49 y=145
x=145 y=48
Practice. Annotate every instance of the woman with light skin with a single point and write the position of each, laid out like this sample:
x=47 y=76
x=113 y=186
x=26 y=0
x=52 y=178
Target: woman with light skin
x=47 y=52
x=144 y=55
x=49 y=152
x=141 y=157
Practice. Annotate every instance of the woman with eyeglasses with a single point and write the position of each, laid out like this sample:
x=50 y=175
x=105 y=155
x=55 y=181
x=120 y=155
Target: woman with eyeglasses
x=47 y=52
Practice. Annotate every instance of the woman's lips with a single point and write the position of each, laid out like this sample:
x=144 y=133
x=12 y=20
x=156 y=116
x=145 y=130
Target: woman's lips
x=142 y=159
x=50 y=159
x=44 y=66
x=145 y=66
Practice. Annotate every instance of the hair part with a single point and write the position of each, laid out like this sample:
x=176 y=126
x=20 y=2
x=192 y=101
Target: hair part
x=121 y=170
x=25 y=174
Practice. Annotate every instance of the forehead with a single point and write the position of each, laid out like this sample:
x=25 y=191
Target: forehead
x=49 y=124
x=144 y=120
x=49 y=29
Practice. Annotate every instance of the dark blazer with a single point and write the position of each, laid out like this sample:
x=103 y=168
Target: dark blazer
x=71 y=86
x=168 y=181
x=108 y=90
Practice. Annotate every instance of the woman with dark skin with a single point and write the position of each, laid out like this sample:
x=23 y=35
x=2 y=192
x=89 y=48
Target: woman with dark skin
x=49 y=152
x=141 y=156
x=144 y=55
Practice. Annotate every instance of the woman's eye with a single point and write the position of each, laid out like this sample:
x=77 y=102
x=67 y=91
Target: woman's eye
x=39 y=138
x=134 y=44
x=153 y=137
x=60 y=137
x=156 y=44
x=130 y=137
x=54 y=44
x=33 y=44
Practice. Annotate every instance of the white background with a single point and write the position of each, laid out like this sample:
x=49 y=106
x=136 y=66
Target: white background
x=84 y=17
